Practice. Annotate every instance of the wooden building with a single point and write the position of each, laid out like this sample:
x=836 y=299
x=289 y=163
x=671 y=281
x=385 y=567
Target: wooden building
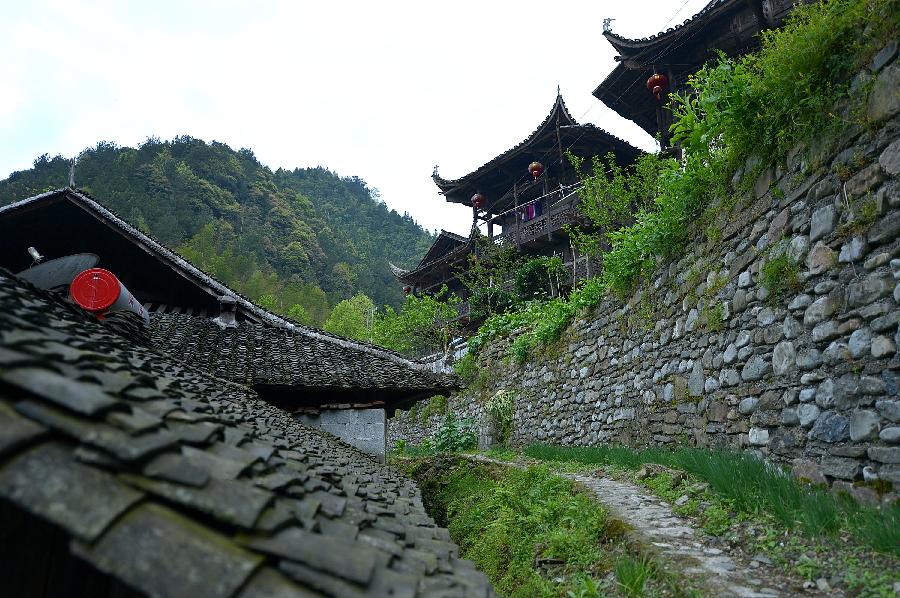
x=521 y=204
x=731 y=26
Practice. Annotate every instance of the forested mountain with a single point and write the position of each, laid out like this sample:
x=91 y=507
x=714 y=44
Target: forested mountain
x=301 y=239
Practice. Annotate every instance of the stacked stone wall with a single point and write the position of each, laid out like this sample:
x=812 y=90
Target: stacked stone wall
x=704 y=354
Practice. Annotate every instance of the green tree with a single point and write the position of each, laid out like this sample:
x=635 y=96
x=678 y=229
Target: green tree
x=423 y=324
x=352 y=318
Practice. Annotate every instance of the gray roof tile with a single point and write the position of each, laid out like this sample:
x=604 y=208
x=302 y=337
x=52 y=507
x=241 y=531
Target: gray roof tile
x=229 y=501
x=290 y=357
x=167 y=555
x=81 y=499
x=75 y=396
x=268 y=583
x=15 y=430
x=172 y=467
x=120 y=444
x=137 y=421
x=344 y=558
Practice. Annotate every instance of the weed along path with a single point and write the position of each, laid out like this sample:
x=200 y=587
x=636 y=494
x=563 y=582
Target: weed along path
x=674 y=538
x=677 y=541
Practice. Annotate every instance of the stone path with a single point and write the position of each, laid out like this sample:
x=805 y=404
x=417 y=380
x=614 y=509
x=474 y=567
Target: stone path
x=674 y=539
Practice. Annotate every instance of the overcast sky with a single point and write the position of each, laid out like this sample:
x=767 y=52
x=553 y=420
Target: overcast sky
x=380 y=90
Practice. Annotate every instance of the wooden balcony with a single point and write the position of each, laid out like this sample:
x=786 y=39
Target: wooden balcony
x=561 y=208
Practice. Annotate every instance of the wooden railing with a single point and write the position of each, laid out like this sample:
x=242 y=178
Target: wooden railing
x=560 y=212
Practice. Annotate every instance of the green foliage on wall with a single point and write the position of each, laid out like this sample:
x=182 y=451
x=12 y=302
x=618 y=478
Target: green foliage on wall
x=750 y=109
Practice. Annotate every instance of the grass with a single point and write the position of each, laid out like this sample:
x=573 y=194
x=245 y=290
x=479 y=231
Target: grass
x=534 y=533
x=632 y=574
x=781 y=277
x=754 y=487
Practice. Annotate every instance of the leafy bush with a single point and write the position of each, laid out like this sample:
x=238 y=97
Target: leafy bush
x=423 y=324
x=454 y=435
x=764 y=103
x=536 y=278
x=466 y=368
x=434 y=406
x=487 y=301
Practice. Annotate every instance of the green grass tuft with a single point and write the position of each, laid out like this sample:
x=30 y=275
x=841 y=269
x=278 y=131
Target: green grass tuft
x=752 y=486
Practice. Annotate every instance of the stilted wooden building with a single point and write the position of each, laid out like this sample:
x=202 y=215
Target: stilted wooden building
x=525 y=196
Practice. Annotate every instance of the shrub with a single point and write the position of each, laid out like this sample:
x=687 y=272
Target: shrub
x=454 y=435
x=466 y=368
x=536 y=278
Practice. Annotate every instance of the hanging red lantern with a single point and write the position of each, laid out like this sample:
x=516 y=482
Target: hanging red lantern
x=536 y=169
x=407 y=290
x=479 y=200
x=657 y=84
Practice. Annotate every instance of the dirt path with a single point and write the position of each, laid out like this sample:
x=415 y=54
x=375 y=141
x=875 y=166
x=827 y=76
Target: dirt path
x=676 y=539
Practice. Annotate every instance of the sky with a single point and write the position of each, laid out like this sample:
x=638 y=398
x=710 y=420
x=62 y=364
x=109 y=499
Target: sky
x=380 y=90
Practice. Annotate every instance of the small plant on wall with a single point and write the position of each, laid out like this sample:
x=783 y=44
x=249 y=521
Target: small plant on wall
x=501 y=407
x=780 y=277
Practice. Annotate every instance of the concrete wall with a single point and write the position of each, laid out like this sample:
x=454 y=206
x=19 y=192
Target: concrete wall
x=363 y=428
x=703 y=355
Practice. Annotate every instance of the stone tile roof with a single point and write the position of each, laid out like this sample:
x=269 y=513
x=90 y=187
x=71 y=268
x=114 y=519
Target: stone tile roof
x=178 y=483
x=624 y=44
x=255 y=354
x=362 y=365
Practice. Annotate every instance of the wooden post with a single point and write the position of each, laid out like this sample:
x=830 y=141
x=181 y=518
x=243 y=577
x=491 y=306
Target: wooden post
x=516 y=210
x=562 y=158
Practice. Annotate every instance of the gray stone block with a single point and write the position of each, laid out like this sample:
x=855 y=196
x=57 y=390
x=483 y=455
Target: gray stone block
x=364 y=429
x=821 y=223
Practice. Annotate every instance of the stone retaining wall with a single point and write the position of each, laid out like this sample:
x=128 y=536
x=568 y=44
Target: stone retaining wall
x=703 y=355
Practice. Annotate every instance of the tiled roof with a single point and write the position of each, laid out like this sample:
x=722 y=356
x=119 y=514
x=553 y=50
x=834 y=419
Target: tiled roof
x=178 y=483
x=623 y=44
x=559 y=111
x=371 y=363
x=255 y=354
x=159 y=250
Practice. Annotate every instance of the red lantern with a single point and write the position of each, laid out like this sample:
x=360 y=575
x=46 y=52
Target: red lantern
x=407 y=290
x=657 y=84
x=536 y=169
x=478 y=200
